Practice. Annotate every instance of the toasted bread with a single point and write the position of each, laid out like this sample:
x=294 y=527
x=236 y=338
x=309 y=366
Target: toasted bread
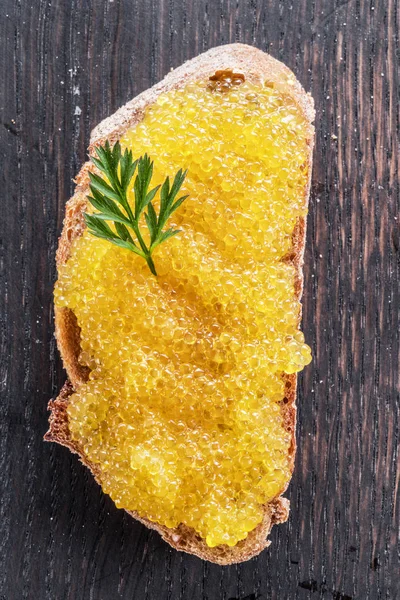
x=257 y=67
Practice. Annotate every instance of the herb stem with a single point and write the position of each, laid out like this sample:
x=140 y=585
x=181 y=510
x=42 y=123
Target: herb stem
x=130 y=213
x=141 y=241
x=150 y=262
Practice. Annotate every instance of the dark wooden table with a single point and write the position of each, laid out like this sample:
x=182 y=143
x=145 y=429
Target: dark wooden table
x=66 y=64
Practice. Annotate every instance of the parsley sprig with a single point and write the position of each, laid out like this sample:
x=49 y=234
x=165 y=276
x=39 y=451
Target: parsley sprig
x=109 y=197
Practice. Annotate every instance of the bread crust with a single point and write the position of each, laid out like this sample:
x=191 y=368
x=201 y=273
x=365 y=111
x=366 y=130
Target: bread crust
x=257 y=67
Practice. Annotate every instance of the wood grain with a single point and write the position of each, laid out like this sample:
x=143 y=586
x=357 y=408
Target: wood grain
x=63 y=67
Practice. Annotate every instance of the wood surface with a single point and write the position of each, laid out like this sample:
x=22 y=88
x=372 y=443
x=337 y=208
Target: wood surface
x=64 y=66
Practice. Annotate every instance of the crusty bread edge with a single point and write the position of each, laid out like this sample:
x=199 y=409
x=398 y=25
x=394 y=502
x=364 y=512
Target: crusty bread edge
x=257 y=67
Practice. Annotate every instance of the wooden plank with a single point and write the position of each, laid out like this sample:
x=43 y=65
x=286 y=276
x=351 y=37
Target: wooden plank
x=65 y=66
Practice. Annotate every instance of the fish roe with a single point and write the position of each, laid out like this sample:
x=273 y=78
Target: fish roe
x=182 y=410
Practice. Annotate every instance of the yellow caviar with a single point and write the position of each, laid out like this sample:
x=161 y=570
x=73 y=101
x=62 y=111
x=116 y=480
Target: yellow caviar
x=183 y=409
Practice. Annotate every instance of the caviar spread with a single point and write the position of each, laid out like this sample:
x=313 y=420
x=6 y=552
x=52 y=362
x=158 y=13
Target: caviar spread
x=182 y=412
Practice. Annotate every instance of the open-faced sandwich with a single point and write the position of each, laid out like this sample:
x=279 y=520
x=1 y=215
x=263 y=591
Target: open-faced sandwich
x=178 y=301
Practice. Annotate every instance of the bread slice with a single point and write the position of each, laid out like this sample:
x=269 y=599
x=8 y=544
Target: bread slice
x=257 y=67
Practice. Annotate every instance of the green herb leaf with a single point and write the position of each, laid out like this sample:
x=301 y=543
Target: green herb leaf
x=165 y=236
x=109 y=192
